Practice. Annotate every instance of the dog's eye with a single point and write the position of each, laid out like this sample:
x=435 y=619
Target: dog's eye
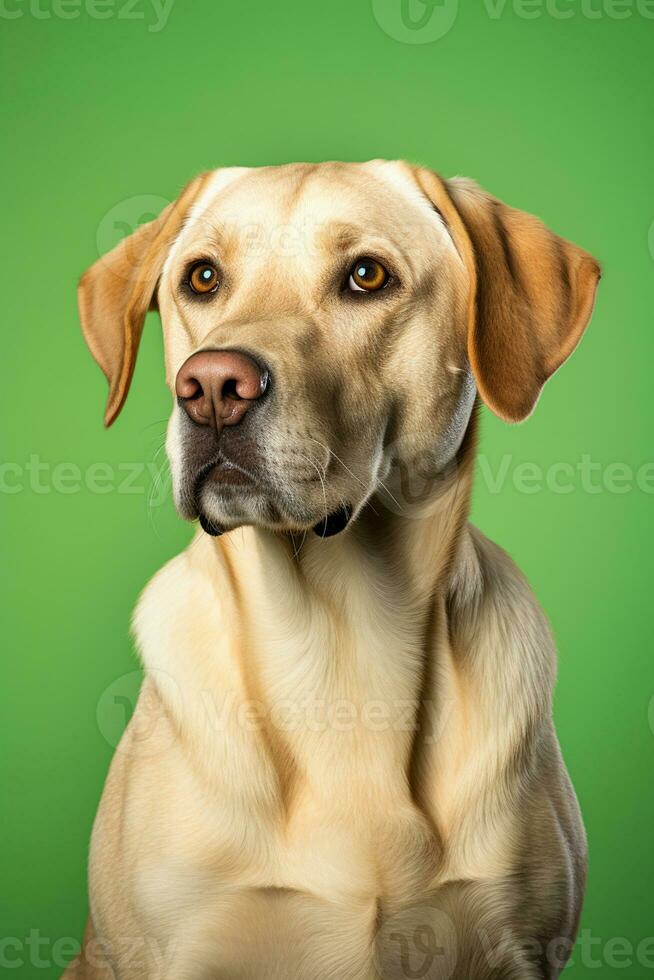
x=367 y=276
x=203 y=278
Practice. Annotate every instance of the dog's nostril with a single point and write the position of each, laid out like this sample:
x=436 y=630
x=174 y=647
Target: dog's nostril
x=193 y=390
x=230 y=388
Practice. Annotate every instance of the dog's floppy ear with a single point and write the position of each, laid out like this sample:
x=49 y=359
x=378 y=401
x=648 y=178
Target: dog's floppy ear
x=531 y=297
x=116 y=293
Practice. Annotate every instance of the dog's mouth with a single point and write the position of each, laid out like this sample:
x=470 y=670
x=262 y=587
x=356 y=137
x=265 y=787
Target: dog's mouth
x=238 y=489
x=220 y=476
x=224 y=473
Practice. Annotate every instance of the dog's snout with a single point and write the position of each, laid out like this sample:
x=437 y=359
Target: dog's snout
x=217 y=387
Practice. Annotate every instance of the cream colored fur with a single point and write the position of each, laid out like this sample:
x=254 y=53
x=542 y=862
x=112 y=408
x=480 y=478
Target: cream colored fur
x=342 y=765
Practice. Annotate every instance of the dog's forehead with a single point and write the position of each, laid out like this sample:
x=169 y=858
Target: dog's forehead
x=378 y=197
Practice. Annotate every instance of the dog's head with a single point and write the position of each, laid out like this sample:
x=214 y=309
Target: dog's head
x=322 y=323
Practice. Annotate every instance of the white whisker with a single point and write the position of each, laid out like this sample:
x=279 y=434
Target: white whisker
x=352 y=474
x=321 y=477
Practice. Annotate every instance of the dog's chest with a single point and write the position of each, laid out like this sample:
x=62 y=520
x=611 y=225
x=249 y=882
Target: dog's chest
x=319 y=745
x=297 y=811
x=314 y=896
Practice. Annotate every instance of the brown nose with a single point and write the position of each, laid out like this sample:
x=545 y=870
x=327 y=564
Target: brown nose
x=217 y=387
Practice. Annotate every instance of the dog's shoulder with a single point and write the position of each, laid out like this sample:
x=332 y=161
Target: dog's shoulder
x=492 y=607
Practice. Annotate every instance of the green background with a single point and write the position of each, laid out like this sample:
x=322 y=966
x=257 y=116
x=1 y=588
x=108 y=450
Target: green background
x=553 y=115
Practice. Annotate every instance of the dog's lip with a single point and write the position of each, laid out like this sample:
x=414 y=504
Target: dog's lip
x=220 y=472
x=334 y=523
x=226 y=472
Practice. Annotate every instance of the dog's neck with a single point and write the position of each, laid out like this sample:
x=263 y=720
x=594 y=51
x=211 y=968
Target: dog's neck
x=338 y=635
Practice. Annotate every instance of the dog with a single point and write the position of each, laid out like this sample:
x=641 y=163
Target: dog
x=342 y=763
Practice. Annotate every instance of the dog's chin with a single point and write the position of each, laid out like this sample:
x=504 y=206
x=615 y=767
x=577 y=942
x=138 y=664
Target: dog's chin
x=216 y=518
x=225 y=508
x=226 y=498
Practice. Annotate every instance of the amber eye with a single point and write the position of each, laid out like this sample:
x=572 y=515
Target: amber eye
x=367 y=276
x=203 y=278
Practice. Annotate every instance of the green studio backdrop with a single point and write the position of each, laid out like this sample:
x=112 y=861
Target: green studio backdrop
x=108 y=109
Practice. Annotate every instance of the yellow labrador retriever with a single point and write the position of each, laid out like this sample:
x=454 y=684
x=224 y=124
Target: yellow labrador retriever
x=342 y=765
